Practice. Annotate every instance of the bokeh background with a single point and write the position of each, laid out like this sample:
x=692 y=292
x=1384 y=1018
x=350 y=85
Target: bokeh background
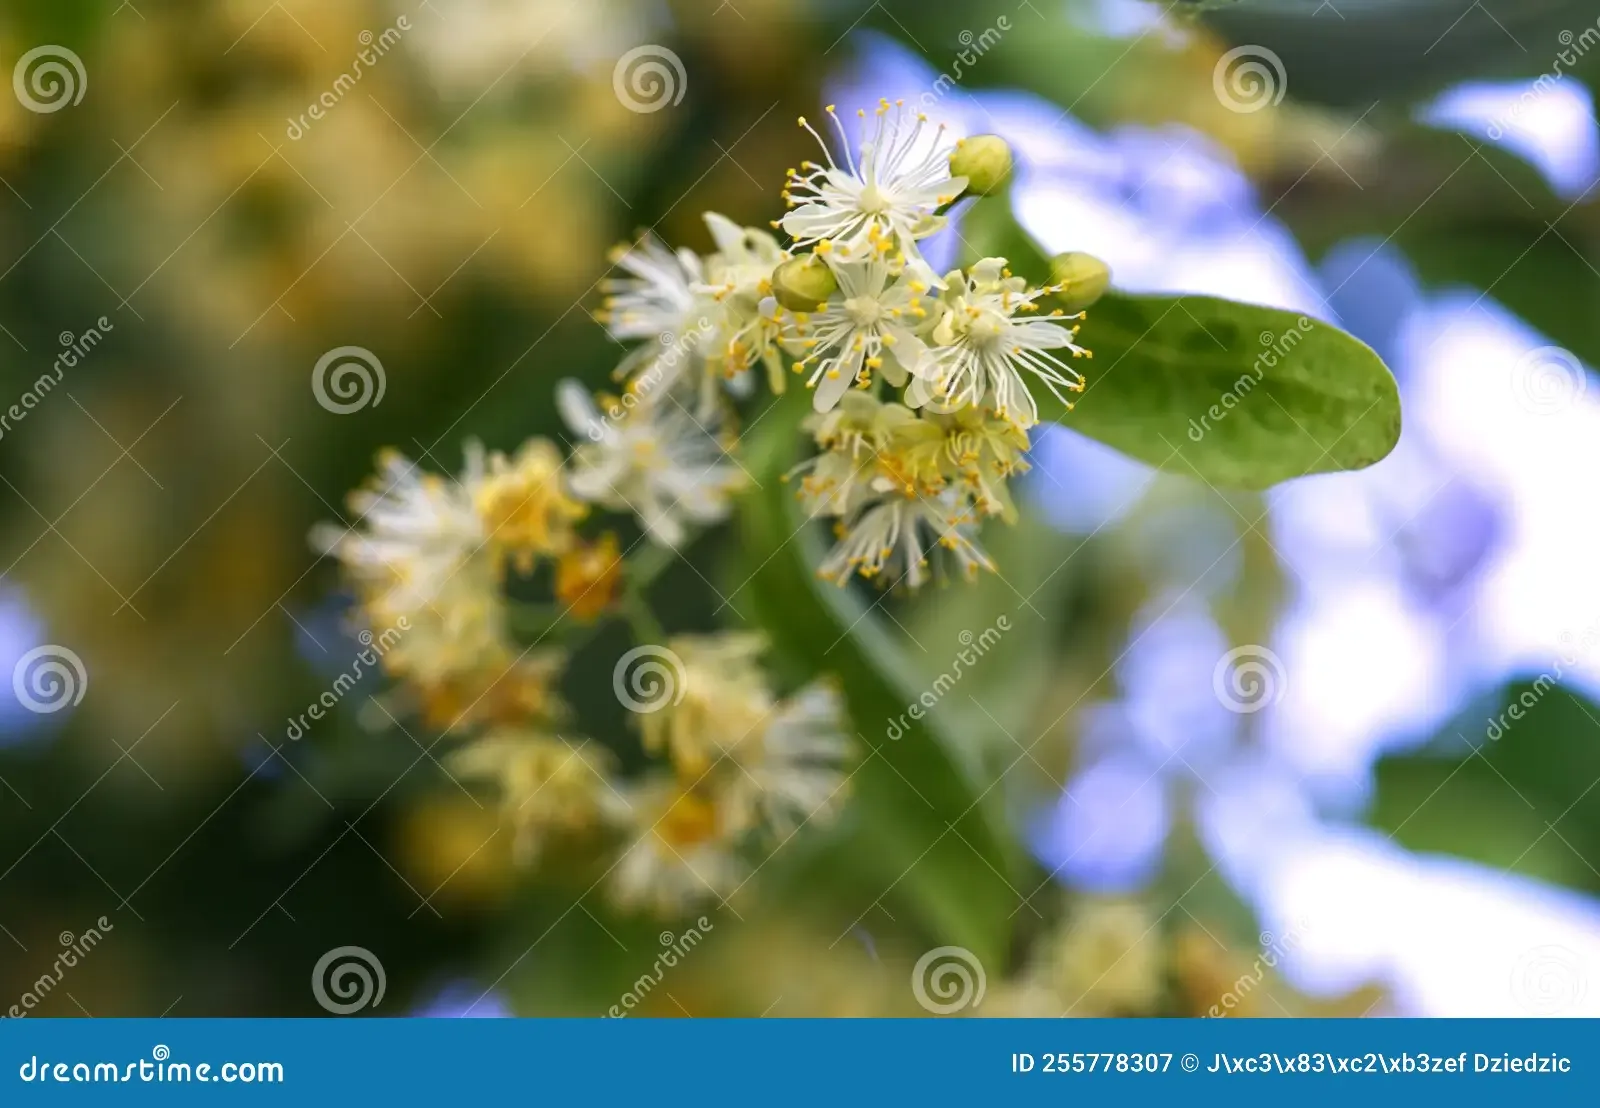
x=1273 y=725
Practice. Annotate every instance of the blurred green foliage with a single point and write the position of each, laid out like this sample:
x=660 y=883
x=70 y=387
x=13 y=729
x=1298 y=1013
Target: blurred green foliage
x=156 y=511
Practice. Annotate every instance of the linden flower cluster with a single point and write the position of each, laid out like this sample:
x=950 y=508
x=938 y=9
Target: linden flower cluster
x=922 y=384
x=434 y=556
x=921 y=390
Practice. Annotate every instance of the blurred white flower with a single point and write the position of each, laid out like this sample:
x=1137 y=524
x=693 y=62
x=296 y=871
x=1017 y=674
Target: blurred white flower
x=658 y=297
x=422 y=558
x=654 y=460
x=789 y=773
x=684 y=852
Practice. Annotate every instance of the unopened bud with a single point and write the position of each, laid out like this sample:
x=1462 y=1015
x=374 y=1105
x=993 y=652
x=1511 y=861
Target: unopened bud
x=803 y=284
x=1082 y=279
x=985 y=161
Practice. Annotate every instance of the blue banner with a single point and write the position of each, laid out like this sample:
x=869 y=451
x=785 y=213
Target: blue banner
x=799 y=1062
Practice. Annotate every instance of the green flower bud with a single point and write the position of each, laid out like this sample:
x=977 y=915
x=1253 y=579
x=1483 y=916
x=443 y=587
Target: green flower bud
x=1081 y=279
x=984 y=160
x=803 y=284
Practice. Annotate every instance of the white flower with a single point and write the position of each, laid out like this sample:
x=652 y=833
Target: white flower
x=654 y=459
x=420 y=527
x=423 y=557
x=866 y=325
x=659 y=298
x=896 y=533
x=887 y=199
x=684 y=852
x=773 y=763
x=788 y=773
x=660 y=302
x=979 y=348
x=743 y=262
x=856 y=436
x=746 y=320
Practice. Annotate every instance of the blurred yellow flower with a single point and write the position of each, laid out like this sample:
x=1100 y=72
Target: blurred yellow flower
x=548 y=787
x=684 y=852
x=588 y=577
x=524 y=504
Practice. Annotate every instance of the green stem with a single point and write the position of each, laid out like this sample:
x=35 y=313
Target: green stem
x=641 y=620
x=646 y=566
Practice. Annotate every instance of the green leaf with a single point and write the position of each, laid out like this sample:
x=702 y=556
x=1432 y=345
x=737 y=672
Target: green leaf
x=1183 y=382
x=1510 y=782
x=925 y=833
